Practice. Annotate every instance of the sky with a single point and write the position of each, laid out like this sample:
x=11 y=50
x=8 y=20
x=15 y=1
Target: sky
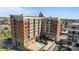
x=62 y=12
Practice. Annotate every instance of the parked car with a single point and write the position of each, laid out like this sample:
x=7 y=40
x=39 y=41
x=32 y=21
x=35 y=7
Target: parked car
x=77 y=45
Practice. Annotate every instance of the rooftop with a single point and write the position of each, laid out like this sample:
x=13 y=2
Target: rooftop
x=75 y=24
x=77 y=30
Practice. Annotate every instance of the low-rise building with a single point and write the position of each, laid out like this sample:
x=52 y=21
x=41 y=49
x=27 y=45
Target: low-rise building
x=73 y=34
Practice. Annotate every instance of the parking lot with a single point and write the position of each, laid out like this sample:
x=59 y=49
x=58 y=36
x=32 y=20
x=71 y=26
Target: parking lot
x=6 y=43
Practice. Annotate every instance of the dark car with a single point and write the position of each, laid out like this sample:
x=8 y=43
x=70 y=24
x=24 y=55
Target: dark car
x=77 y=45
x=8 y=41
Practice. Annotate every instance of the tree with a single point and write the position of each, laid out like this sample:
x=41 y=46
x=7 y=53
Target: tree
x=68 y=49
x=4 y=34
x=60 y=44
x=5 y=28
x=2 y=22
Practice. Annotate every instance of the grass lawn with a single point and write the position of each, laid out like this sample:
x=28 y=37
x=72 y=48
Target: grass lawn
x=2 y=35
x=4 y=49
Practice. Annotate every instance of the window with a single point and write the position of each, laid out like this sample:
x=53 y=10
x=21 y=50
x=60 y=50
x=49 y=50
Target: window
x=31 y=23
x=73 y=32
x=28 y=36
x=73 y=27
x=31 y=38
x=25 y=23
x=25 y=30
x=69 y=39
x=74 y=40
x=69 y=32
x=28 y=18
x=28 y=26
x=69 y=35
x=28 y=22
x=14 y=23
x=78 y=32
x=18 y=43
x=77 y=45
x=25 y=19
x=25 y=27
x=75 y=36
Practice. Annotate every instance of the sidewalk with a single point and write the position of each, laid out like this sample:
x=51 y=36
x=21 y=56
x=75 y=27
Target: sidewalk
x=49 y=46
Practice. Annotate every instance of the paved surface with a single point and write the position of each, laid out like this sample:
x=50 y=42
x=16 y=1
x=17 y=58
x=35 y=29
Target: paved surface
x=1 y=44
x=52 y=47
x=35 y=46
x=48 y=46
x=75 y=48
x=55 y=49
x=5 y=44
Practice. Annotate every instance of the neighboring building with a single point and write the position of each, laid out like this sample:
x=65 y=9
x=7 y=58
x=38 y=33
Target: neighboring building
x=64 y=29
x=51 y=27
x=41 y=14
x=73 y=34
x=26 y=29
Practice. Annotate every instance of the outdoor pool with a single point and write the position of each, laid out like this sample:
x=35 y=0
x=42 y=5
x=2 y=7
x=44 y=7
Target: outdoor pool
x=39 y=45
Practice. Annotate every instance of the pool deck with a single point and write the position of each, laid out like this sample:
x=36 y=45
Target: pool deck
x=34 y=47
x=49 y=47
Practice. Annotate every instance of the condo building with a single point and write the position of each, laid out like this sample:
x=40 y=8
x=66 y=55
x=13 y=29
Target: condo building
x=73 y=35
x=26 y=29
x=73 y=32
x=51 y=27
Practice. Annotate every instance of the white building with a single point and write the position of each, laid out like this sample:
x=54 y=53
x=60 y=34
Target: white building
x=73 y=33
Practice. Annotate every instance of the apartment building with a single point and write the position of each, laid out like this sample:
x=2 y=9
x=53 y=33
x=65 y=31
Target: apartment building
x=26 y=29
x=51 y=27
x=73 y=32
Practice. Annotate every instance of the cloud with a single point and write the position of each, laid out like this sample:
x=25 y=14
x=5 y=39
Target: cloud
x=6 y=11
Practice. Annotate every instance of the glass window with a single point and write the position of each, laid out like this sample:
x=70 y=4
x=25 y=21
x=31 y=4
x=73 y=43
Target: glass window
x=69 y=32
x=31 y=38
x=73 y=32
x=69 y=39
x=78 y=32
x=75 y=36
x=25 y=30
x=25 y=23
x=18 y=43
x=69 y=35
x=25 y=27
x=28 y=36
x=73 y=27
x=14 y=23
